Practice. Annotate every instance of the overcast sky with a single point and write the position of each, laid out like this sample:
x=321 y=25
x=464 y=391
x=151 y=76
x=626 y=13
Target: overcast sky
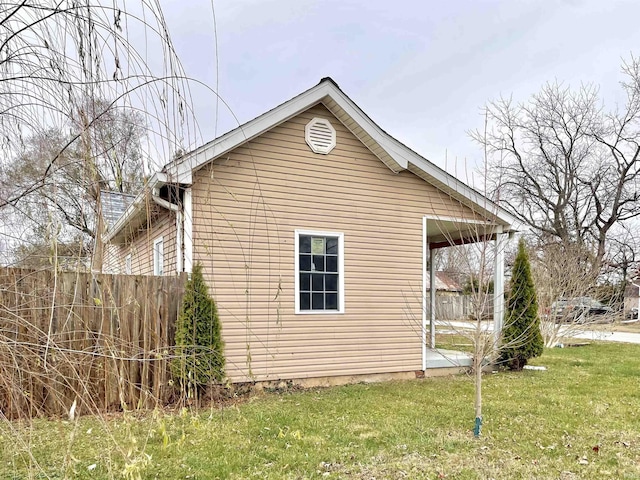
x=422 y=70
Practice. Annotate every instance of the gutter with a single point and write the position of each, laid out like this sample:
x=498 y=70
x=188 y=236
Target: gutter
x=165 y=204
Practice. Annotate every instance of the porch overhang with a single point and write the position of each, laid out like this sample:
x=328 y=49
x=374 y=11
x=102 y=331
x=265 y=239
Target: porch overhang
x=440 y=232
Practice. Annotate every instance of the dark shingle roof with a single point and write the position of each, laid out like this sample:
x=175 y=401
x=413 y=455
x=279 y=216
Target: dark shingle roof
x=113 y=205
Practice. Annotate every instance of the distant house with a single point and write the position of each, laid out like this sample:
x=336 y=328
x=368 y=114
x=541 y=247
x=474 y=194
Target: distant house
x=631 y=297
x=314 y=228
x=448 y=283
x=451 y=303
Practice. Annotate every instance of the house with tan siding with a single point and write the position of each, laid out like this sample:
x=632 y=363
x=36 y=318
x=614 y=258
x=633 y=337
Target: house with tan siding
x=315 y=229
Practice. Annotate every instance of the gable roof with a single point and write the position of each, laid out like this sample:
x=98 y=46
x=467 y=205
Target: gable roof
x=394 y=154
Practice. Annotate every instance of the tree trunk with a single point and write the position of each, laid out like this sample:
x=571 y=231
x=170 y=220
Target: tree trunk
x=477 y=370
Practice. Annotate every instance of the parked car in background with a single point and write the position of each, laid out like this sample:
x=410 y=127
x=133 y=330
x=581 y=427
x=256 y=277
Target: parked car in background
x=632 y=314
x=580 y=309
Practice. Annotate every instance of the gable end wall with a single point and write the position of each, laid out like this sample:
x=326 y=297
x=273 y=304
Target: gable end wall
x=246 y=207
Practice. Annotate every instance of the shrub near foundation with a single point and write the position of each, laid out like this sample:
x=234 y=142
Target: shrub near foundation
x=199 y=348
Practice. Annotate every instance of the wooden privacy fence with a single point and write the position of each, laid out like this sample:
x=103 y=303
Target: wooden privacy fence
x=461 y=307
x=103 y=341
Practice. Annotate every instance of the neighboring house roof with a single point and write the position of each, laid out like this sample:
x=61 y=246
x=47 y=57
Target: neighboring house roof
x=445 y=281
x=113 y=205
x=395 y=155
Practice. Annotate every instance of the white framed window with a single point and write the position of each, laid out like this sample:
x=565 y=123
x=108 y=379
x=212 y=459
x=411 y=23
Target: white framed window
x=158 y=256
x=127 y=264
x=319 y=272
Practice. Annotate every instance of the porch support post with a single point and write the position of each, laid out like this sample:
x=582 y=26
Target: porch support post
x=432 y=298
x=498 y=284
x=423 y=335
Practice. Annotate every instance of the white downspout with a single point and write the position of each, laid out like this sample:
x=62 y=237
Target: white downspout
x=187 y=231
x=174 y=208
x=423 y=336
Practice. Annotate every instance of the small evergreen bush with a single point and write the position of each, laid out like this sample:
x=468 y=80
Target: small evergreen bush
x=521 y=337
x=199 y=348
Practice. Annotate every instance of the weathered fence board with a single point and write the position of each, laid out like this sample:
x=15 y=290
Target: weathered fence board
x=461 y=307
x=100 y=340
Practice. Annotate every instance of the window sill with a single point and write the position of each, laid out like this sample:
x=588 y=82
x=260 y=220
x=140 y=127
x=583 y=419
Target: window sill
x=319 y=312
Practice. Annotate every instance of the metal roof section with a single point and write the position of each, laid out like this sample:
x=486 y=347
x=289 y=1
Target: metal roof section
x=136 y=215
x=113 y=205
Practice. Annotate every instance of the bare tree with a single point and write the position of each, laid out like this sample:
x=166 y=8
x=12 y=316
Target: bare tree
x=90 y=96
x=69 y=194
x=60 y=60
x=565 y=281
x=566 y=167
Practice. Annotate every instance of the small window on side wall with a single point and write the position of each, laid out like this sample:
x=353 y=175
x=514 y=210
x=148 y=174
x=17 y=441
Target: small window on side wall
x=127 y=264
x=158 y=256
x=319 y=282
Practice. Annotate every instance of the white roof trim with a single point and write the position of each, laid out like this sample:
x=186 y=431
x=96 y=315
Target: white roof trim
x=181 y=170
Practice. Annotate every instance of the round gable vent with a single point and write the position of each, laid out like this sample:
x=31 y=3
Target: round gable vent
x=320 y=135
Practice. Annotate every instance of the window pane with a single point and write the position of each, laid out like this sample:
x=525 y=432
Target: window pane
x=332 y=264
x=305 y=281
x=317 y=282
x=305 y=263
x=332 y=245
x=331 y=301
x=318 y=263
x=305 y=301
x=317 y=245
x=305 y=244
x=317 y=301
x=331 y=283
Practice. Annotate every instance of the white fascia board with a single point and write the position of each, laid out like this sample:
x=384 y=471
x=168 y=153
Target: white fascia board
x=464 y=190
x=368 y=125
x=248 y=131
x=404 y=155
x=227 y=142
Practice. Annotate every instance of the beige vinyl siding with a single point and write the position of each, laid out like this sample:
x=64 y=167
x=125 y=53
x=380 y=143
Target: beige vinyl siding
x=246 y=207
x=112 y=261
x=141 y=248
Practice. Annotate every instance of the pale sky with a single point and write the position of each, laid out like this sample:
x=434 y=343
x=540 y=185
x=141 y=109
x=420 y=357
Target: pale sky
x=422 y=70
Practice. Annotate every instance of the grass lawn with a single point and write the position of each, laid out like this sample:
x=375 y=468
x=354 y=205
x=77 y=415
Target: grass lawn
x=578 y=419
